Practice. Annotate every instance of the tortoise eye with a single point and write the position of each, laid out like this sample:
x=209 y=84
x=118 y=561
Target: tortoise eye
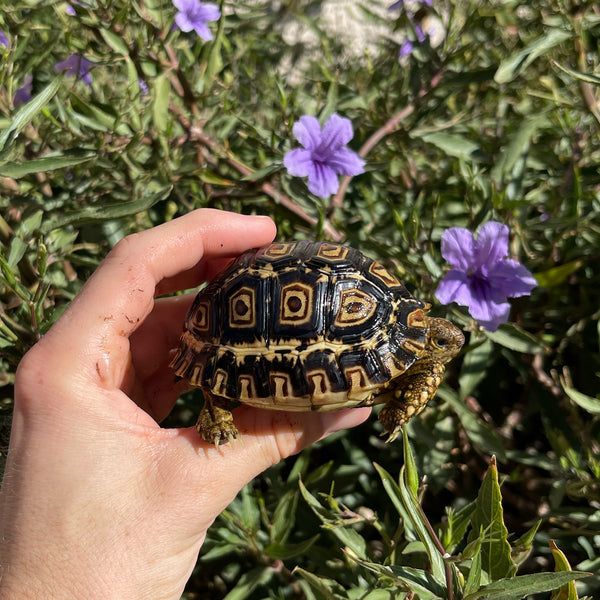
x=441 y=342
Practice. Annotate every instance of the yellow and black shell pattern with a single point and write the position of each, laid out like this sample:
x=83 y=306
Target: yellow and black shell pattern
x=301 y=326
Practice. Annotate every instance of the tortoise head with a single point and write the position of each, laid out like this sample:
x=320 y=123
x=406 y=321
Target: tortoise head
x=444 y=339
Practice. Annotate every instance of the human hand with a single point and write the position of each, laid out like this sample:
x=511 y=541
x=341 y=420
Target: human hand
x=99 y=501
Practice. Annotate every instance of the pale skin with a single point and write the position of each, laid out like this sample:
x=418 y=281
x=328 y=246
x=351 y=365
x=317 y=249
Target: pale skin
x=98 y=500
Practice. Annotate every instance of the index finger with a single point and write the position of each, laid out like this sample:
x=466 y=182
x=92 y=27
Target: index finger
x=92 y=335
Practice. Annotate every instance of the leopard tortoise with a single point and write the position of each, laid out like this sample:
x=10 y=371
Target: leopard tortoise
x=301 y=326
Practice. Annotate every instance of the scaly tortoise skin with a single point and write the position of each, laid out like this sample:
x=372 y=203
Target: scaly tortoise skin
x=303 y=326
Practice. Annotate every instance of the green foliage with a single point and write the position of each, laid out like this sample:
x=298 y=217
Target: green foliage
x=494 y=118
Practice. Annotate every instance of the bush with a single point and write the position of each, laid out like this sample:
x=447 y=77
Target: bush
x=466 y=112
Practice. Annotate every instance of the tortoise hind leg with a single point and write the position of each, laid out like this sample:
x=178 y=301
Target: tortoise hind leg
x=215 y=421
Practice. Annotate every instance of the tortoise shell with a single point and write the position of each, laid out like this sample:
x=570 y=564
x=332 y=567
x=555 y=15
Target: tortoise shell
x=301 y=326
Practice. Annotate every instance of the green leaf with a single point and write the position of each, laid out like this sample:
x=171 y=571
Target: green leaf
x=474 y=368
x=116 y=42
x=516 y=148
x=420 y=581
x=452 y=144
x=587 y=77
x=26 y=113
x=456 y=525
x=410 y=472
x=496 y=559
x=262 y=173
x=474 y=577
x=248 y=582
x=247 y=509
x=567 y=591
x=51 y=162
x=322 y=585
x=160 y=103
x=105 y=213
x=408 y=508
x=588 y=403
x=512 y=67
x=521 y=547
x=350 y=538
x=517 y=588
x=481 y=435
x=18 y=247
x=556 y=275
x=284 y=517
x=287 y=551
x=513 y=337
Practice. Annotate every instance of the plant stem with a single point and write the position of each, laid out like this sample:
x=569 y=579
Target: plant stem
x=389 y=127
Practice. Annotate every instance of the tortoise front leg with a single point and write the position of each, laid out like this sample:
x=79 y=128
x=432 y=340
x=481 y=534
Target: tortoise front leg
x=413 y=391
x=215 y=421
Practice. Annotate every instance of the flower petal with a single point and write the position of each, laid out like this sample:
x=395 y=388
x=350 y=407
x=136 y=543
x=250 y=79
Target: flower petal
x=203 y=31
x=491 y=244
x=322 y=181
x=458 y=248
x=406 y=48
x=23 y=94
x=208 y=12
x=488 y=304
x=298 y=162
x=490 y=314
x=512 y=278
x=183 y=22
x=308 y=132
x=454 y=287
x=346 y=162
x=337 y=132
x=184 y=5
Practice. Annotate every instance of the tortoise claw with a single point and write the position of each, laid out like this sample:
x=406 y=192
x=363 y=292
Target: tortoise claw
x=393 y=434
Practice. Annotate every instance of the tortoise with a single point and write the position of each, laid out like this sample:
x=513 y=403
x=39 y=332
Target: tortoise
x=301 y=326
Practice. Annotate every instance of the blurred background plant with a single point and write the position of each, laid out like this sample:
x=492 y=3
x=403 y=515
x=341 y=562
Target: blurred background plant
x=112 y=120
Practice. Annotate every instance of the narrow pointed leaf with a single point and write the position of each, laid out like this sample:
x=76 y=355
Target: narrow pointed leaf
x=561 y=563
x=408 y=507
x=496 y=559
x=248 y=582
x=520 y=587
x=521 y=547
x=103 y=213
x=410 y=470
x=26 y=113
x=588 y=403
x=513 y=66
x=321 y=585
x=60 y=160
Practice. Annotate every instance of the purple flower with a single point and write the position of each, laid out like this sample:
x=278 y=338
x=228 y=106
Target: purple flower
x=76 y=66
x=3 y=39
x=70 y=10
x=406 y=48
x=481 y=277
x=400 y=4
x=324 y=155
x=194 y=15
x=143 y=87
x=23 y=94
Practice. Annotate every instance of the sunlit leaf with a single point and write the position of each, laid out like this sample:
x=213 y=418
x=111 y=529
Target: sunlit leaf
x=488 y=518
x=513 y=66
x=588 y=403
x=517 y=588
x=46 y=163
x=567 y=591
